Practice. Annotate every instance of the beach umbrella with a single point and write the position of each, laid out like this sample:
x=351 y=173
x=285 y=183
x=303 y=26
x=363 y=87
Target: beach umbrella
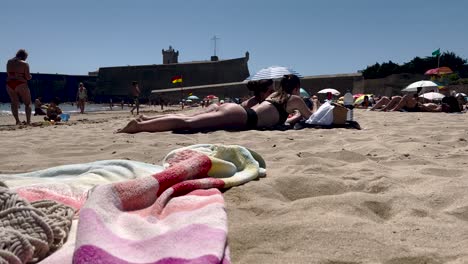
x=304 y=93
x=439 y=71
x=425 y=85
x=193 y=97
x=432 y=96
x=188 y=101
x=355 y=96
x=210 y=97
x=360 y=99
x=329 y=90
x=460 y=94
x=273 y=72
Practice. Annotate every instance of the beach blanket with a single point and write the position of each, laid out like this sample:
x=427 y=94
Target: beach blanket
x=132 y=212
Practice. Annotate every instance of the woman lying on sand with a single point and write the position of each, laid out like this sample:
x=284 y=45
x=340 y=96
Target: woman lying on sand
x=273 y=111
x=261 y=89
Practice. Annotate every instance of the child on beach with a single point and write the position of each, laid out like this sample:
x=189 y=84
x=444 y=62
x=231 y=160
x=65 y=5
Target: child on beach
x=38 y=107
x=53 y=111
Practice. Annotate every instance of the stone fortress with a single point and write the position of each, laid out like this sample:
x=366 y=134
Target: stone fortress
x=116 y=81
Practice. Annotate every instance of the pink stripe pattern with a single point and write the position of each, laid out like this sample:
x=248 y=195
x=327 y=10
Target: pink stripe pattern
x=163 y=218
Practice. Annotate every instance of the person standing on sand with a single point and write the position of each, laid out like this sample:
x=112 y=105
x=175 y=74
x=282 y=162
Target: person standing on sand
x=18 y=76
x=135 y=93
x=81 y=97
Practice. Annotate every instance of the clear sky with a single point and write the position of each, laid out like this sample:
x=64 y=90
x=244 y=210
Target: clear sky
x=312 y=37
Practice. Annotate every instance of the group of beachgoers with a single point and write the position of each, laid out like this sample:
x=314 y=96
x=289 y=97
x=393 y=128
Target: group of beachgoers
x=18 y=75
x=266 y=109
x=451 y=103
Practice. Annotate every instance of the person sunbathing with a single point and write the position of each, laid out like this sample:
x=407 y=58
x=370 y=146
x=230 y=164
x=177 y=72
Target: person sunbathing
x=407 y=103
x=261 y=89
x=365 y=103
x=273 y=111
x=385 y=101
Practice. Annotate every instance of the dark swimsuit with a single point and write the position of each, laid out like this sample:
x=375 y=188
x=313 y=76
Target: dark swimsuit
x=281 y=108
x=414 y=109
x=252 y=118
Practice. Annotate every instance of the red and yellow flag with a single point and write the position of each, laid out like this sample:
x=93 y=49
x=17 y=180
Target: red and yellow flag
x=176 y=79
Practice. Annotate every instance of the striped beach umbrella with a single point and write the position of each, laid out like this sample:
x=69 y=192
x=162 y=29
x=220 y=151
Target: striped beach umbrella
x=273 y=72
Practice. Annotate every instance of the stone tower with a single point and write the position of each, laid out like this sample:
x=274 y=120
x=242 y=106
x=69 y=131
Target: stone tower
x=170 y=56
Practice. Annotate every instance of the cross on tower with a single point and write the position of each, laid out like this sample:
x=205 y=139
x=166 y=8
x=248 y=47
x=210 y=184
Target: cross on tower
x=214 y=40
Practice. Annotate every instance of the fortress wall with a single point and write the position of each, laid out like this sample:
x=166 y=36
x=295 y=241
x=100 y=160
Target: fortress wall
x=49 y=86
x=116 y=81
x=313 y=84
x=231 y=90
x=390 y=85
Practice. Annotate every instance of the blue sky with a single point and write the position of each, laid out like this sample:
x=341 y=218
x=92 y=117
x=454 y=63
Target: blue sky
x=312 y=37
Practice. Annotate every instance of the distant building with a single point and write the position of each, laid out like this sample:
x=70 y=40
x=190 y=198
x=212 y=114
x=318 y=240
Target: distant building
x=170 y=56
x=116 y=81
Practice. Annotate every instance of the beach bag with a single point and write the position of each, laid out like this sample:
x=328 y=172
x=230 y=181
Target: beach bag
x=340 y=113
x=323 y=116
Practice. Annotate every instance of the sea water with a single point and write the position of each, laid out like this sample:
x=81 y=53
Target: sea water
x=5 y=108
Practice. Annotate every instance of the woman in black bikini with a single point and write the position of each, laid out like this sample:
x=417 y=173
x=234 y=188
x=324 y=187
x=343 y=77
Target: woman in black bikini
x=273 y=111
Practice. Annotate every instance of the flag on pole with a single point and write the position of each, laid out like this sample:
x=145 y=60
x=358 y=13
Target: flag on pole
x=176 y=79
x=436 y=52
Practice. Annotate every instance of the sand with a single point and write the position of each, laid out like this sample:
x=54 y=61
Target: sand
x=394 y=192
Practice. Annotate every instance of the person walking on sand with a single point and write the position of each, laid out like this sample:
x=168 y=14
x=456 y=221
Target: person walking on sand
x=135 y=90
x=81 y=97
x=18 y=76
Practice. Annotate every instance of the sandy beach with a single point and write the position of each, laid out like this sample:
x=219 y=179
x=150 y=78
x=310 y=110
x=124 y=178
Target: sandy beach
x=394 y=192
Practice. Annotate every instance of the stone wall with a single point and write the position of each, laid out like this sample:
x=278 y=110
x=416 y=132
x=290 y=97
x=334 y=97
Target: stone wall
x=340 y=82
x=49 y=86
x=116 y=81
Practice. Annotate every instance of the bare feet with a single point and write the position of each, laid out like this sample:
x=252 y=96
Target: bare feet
x=131 y=127
x=142 y=118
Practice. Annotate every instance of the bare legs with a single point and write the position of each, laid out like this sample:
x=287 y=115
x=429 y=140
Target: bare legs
x=227 y=116
x=381 y=103
x=393 y=102
x=211 y=108
x=401 y=104
x=81 y=104
x=22 y=92
x=136 y=106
